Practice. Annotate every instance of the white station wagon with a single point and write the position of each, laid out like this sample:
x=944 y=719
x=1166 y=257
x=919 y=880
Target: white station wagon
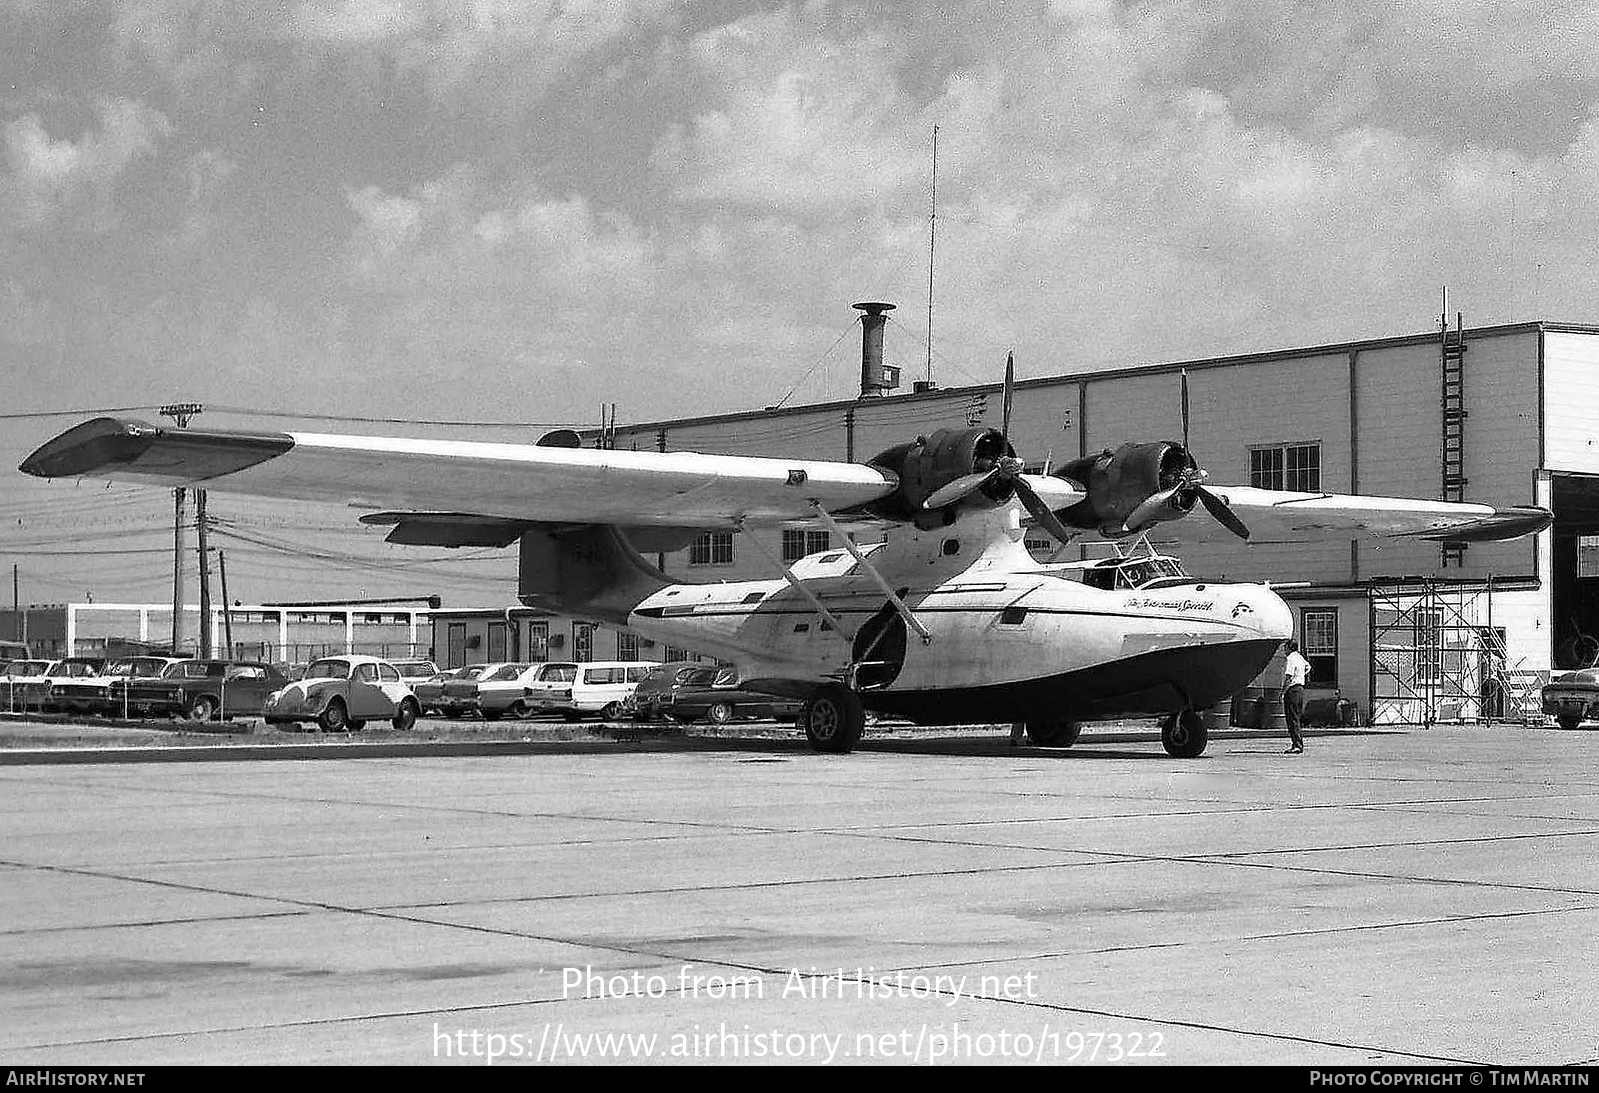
x=599 y=688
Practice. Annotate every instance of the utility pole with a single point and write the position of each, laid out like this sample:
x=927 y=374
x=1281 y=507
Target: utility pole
x=227 y=604
x=16 y=607
x=179 y=412
x=177 y=570
x=200 y=522
x=932 y=242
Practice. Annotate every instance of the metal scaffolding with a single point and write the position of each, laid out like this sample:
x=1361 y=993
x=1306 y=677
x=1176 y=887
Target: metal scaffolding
x=1436 y=656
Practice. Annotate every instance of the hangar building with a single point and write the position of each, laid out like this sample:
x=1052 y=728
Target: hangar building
x=1407 y=629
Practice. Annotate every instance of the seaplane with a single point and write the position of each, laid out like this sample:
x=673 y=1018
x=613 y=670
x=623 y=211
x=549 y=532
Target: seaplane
x=948 y=620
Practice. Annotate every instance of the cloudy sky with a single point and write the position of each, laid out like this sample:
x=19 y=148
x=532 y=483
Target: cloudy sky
x=519 y=209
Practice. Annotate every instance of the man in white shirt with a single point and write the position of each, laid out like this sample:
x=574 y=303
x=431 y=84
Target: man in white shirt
x=1296 y=670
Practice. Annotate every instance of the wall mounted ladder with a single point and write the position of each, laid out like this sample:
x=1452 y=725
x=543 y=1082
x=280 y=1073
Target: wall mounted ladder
x=1452 y=352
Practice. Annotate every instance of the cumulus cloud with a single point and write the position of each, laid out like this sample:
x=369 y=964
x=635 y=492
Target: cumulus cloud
x=808 y=119
x=461 y=51
x=50 y=181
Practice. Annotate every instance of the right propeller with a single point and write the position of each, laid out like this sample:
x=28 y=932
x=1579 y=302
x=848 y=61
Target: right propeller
x=1187 y=486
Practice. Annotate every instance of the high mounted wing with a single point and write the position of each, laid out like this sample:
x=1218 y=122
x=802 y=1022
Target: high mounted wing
x=1288 y=516
x=456 y=493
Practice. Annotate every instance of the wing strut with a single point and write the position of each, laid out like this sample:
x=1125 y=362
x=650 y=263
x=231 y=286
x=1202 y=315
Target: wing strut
x=888 y=590
x=799 y=586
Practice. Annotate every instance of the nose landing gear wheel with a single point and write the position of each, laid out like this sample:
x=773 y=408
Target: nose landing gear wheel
x=833 y=719
x=1183 y=735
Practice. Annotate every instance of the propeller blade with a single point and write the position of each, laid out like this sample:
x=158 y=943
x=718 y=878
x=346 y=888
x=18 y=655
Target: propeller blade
x=1041 y=513
x=1139 y=517
x=950 y=492
x=1010 y=392
x=1184 y=375
x=1223 y=513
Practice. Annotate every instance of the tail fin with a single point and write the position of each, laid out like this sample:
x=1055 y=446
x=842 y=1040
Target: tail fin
x=589 y=570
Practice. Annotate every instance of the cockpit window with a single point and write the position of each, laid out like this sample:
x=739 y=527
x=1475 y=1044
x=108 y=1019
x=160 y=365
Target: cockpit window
x=1129 y=573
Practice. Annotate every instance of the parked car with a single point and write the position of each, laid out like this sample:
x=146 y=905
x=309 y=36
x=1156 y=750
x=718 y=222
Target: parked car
x=459 y=695
x=15 y=681
x=656 y=693
x=344 y=693
x=538 y=692
x=201 y=690
x=506 y=691
x=714 y=695
x=431 y=690
x=597 y=688
x=1573 y=698
x=92 y=693
x=36 y=693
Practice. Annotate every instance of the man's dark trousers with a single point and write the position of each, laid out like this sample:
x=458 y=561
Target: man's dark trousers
x=1293 y=710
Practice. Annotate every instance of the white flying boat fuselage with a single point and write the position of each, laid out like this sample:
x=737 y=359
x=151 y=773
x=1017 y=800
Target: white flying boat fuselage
x=1008 y=637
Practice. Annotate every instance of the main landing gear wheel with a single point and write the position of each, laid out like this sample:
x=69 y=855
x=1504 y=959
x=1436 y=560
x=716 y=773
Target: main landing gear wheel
x=1569 y=721
x=1054 y=734
x=833 y=719
x=1183 y=734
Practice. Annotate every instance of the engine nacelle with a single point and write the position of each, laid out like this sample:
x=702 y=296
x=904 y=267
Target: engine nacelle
x=929 y=462
x=1119 y=482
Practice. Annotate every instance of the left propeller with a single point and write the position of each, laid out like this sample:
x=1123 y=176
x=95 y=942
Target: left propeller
x=1006 y=471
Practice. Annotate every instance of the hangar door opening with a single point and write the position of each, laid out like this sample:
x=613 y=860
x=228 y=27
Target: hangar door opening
x=1574 y=584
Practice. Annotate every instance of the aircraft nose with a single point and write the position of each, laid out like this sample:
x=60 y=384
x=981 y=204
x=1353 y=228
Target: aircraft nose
x=1263 y=611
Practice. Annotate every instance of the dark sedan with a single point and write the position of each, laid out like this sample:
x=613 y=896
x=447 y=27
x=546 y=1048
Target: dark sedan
x=203 y=690
x=656 y=694
x=430 y=691
x=715 y=695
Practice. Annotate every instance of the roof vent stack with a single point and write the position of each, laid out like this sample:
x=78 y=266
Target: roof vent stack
x=877 y=378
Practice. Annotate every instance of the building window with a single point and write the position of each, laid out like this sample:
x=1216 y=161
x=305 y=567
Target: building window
x=455 y=642
x=1318 y=632
x=1588 y=555
x=626 y=645
x=799 y=542
x=496 y=641
x=1286 y=467
x=538 y=642
x=582 y=641
x=712 y=548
